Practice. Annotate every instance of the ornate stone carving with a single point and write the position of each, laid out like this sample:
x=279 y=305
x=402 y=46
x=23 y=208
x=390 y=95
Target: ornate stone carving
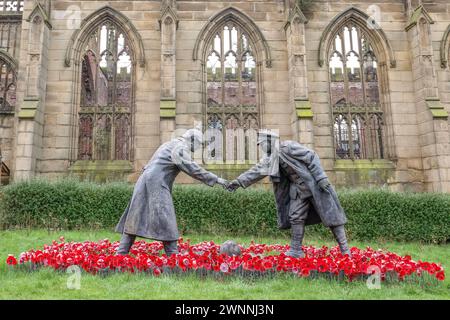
x=360 y=18
x=104 y=14
x=238 y=17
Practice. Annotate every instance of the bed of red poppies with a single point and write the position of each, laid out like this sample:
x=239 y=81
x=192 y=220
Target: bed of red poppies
x=204 y=258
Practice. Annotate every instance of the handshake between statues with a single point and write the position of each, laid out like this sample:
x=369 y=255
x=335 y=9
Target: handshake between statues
x=232 y=186
x=229 y=185
x=303 y=193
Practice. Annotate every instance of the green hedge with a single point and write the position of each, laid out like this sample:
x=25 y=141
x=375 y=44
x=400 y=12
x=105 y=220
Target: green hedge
x=372 y=214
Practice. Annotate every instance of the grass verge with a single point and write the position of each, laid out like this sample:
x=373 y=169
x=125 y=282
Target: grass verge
x=47 y=284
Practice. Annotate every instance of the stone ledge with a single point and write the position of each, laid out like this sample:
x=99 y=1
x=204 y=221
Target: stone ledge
x=102 y=170
x=303 y=109
x=168 y=108
x=342 y=164
x=437 y=109
x=94 y=165
x=363 y=173
x=29 y=109
x=416 y=15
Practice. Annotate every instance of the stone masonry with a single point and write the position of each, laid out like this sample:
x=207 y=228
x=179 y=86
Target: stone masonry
x=291 y=40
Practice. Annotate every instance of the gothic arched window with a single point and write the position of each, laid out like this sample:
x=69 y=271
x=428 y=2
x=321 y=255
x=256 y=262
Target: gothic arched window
x=232 y=104
x=355 y=96
x=7 y=86
x=106 y=96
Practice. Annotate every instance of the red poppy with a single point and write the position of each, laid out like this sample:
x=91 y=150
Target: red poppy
x=11 y=260
x=440 y=276
x=144 y=256
x=322 y=266
x=157 y=272
x=268 y=264
x=305 y=272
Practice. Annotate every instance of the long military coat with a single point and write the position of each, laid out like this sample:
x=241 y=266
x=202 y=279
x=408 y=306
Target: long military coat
x=325 y=206
x=151 y=213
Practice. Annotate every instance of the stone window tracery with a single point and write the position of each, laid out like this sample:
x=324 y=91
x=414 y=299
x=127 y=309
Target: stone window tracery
x=106 y=96
x=7 y=86
x=232 y=104
x=11 y=6
x=355 y=96
x=10 y=31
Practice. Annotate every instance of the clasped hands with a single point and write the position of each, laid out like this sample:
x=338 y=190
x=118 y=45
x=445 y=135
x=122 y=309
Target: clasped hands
x=229 y=185
x=232 y=186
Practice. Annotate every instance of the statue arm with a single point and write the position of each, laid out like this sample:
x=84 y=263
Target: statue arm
x=191 y=168
x=255 y=174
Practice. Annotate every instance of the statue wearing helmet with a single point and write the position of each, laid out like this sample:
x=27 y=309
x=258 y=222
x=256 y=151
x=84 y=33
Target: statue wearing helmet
x=151 y=213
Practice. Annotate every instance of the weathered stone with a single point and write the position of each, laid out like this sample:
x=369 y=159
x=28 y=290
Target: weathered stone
x=417 y=134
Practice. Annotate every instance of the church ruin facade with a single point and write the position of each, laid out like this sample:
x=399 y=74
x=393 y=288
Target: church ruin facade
x=93 y=88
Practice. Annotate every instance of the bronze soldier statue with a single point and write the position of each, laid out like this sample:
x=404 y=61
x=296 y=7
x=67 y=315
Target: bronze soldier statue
x=303 y=193
x=151 y=213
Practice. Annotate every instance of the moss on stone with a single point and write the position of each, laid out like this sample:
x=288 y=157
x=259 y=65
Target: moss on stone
x=361 y=173
x=168 y=108
x=101 y=170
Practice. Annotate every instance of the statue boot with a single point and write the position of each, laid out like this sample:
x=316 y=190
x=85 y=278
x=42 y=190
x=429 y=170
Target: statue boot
x=339 y=234
x=170 y=247
x=126 y=242
x=298 y=231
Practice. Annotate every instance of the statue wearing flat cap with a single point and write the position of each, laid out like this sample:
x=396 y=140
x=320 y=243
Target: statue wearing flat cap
x=303 y=194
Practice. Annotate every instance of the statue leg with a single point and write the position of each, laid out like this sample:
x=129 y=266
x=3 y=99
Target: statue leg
x=298 y=212
x=170 y=247
x=126 y=242
x=341 y=238
x=298 y=231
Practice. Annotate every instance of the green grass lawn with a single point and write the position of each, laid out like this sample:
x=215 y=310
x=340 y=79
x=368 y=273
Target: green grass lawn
x=48 y=284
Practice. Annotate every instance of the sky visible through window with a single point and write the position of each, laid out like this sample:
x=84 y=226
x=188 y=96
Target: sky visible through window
x=124 y=60
x=351 y=50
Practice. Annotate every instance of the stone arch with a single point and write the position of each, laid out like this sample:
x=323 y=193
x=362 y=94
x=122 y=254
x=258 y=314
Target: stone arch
x=385 y=58
x=74 y=49
x=75 y=54
x=445 y=47
x=239 y=18
x=8 y=82
x=8 y=58
x=377 y=36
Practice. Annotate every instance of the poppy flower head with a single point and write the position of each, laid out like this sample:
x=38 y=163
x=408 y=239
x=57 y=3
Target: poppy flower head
x=11 y=260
